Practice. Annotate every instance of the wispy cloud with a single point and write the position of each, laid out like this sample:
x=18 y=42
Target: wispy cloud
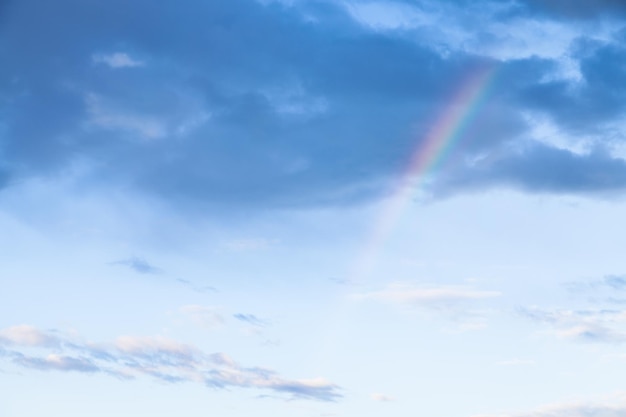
x=196 y=288
x=381 y=397
x=207 y=317
x=24 y=335
x=611 y=406
x=608 y=282
x=54 y=362
x=591 y=325
x=104 y=115
x=344 y=281
x=116 y=60
x=461 y=304
x=142 y=266
x=250 y=319
x=161 y=358
x=424 y=296
x=139 y=265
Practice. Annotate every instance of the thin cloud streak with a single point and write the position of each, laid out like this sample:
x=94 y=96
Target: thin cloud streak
x=409 y=294
x=250 y=319
x=138 y=265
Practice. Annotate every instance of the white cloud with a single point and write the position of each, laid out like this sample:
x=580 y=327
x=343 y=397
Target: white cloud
x=207 y=317
x=480 y=29
x=107 y=117
x=610 y=406
x=409 y=294
x=292 y=99
x=592 y=325
x=452 y=302
x=545 y=130
x=59 y=363
x=157 y=357
x=387 y=15
x=143 y=345
x=24 y=335
x=116 y=60
x=381 y=397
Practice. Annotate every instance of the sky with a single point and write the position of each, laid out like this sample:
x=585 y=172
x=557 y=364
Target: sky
x=312 y=208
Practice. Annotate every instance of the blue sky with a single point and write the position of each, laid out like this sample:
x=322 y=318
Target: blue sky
x=208 y=207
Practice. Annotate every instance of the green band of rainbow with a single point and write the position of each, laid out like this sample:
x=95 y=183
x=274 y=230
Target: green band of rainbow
x=432 y=149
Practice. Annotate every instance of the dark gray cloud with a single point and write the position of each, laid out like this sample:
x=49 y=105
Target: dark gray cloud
x=599 y=98
x=540 y=168
x=242 y=104
x=160 y=358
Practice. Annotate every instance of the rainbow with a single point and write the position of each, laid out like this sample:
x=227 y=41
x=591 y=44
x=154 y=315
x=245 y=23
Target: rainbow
x=432 y=149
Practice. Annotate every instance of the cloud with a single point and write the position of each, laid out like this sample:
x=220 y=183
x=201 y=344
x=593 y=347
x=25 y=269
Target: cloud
x=116 y=60
x=607 y=285
x=592 y=325
x=542 y=169
x=139 y=265
x=207 y=317
x=615 y=282
x=611 y=406
x=327 y=115
x=160 y=358
x=55 y=362
x=580 y=9
x=196 y=288
x=24 y=335
x=142 y=266
x=105 y=116
x=319 y=389
x=453 y=302
x=381 y=397
x=409 y=294
x=250 y=319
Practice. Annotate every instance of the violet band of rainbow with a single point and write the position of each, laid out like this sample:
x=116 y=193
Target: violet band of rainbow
x=432 y=148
